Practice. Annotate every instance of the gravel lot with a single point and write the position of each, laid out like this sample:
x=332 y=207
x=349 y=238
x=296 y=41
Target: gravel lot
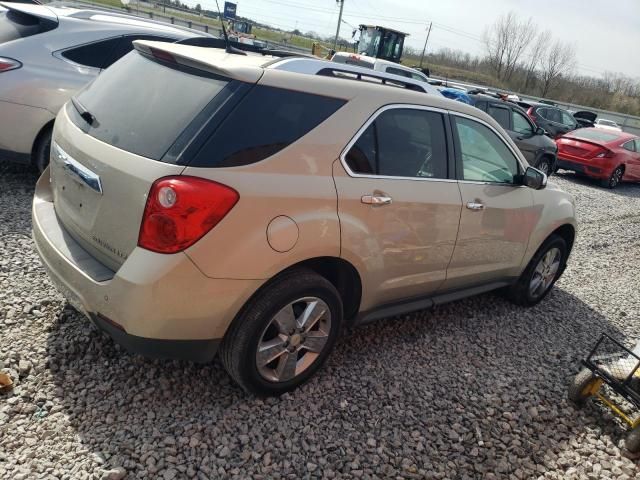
x=474 y=389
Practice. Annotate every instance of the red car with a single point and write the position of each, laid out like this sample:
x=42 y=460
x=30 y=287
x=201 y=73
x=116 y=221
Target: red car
x=607 y=155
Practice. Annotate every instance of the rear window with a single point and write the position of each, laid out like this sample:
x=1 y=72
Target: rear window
x=142 y=106
x=595 y=135
x=267 y=120
x=14 y=25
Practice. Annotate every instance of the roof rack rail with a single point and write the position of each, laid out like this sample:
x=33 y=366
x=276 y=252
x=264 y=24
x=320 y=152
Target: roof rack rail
x=369 y=77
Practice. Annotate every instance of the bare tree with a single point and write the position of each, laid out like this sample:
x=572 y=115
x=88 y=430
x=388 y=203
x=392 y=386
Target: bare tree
x=536 y=52
x=505 y=41
x=559 y=60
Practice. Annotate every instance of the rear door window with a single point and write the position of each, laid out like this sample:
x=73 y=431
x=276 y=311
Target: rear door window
x=15 y=25
x=402 y=142
x=267 y=120
x=96 y=54
x=500 y=114
x=567 y=119
x=142 y=105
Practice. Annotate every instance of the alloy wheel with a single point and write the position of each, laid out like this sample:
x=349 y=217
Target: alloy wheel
x=616 y=177
x=545 y=272
x=294 y=338
x=544 y=167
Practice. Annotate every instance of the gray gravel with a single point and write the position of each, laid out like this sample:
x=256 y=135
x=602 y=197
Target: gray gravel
x=474 y=389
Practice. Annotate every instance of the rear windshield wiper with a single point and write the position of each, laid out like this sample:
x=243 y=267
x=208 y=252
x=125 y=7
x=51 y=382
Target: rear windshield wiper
x=84 y=113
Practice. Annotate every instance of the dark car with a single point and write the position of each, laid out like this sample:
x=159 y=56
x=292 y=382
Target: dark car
x=555 y=120
x=538 y=149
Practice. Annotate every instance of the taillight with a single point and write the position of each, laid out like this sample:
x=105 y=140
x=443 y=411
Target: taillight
x=531 y=115
x=605 y=154
x=181 y=210
x=7 y=64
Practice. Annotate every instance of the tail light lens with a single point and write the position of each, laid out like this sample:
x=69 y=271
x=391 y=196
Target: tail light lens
x=181 y=210
x=605 y=154
x=531 y=115
x=7 y=64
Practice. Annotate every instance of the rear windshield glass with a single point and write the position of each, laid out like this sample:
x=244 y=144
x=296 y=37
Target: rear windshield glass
x=594 y=134
x=14 y=25
x=142 y=106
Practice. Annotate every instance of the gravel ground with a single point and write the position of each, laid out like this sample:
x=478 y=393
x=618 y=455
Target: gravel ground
x=475 y=389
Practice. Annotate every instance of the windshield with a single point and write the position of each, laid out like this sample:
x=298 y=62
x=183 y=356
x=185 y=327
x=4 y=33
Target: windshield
x=595 y=135
x=369 y=42
x=159 y=102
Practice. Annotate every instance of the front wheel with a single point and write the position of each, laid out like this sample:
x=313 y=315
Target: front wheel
x=632 y=442
x=284 y=335
x=614 y=180
x=541 y=273
x=580 y=387
x=544 y=165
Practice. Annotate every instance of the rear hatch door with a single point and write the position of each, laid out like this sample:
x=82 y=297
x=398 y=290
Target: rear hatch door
x=585 y=142
x=114 y=140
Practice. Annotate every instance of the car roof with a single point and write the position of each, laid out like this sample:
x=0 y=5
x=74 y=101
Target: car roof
x=104 y=17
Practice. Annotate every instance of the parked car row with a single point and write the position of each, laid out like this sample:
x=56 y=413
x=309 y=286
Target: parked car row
x=49 y=53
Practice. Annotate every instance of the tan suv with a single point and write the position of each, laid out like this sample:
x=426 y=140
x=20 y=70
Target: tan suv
x=198 y=199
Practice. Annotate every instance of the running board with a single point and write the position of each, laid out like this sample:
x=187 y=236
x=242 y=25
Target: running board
x=413 y=305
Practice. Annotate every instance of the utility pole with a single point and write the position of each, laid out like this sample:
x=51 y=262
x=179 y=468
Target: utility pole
x=335 y=42
x=425 y=44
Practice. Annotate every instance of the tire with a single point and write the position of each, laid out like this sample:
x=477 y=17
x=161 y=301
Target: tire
x=545 y=166
x=292 y=293
x=42 y=149
x=521 y=292
x=579 y=383
x=632 y=441
x=614 y=180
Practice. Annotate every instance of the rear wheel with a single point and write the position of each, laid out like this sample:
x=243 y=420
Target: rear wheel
x=580 y=386
x=284 y=334
x=42 y=149
x=614 y=180
x=541 y=273
x=632 y=442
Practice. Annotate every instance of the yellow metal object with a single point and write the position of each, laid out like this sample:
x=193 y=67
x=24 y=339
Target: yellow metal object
x=592 y=388
x=632 y=422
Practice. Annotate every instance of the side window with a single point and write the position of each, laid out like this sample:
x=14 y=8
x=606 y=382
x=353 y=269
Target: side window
x=630 y=145
x=567 y=119
x=553 y=114
x=402 y=142
x=126 y=45
x=520 y=123
x=481 y=105
x=637 y=140
x=500 y=114
x=483 y=155
x=96 y=54
x=267 y=120
x=398 y=71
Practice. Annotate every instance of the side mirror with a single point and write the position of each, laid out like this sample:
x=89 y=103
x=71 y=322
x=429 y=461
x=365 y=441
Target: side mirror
x=534 y=178
x=540 y=131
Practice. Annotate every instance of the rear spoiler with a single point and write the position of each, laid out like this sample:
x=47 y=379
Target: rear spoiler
x=215 y=61
x=44 y=14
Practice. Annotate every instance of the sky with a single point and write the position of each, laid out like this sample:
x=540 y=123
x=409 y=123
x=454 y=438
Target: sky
x=605 y=34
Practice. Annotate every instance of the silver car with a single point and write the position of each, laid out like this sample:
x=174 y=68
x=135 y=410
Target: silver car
x=46 y=55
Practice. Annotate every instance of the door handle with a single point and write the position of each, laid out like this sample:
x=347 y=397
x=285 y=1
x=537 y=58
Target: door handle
x=376 y=200
x=475 y=206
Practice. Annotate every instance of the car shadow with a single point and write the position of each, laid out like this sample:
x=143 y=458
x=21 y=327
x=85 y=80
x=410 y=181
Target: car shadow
x=478 y=378
x=625 y=189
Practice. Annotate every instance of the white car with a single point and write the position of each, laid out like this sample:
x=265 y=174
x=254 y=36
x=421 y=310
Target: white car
x=608 y=124
x=379 y=65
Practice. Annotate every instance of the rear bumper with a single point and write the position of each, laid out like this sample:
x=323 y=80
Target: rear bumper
x=597 y=168
x=157 y=305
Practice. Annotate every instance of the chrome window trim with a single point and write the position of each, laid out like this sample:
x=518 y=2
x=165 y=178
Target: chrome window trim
x=370 y=120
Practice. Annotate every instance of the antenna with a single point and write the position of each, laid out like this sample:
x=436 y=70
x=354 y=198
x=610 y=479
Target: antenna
x=224 y=32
